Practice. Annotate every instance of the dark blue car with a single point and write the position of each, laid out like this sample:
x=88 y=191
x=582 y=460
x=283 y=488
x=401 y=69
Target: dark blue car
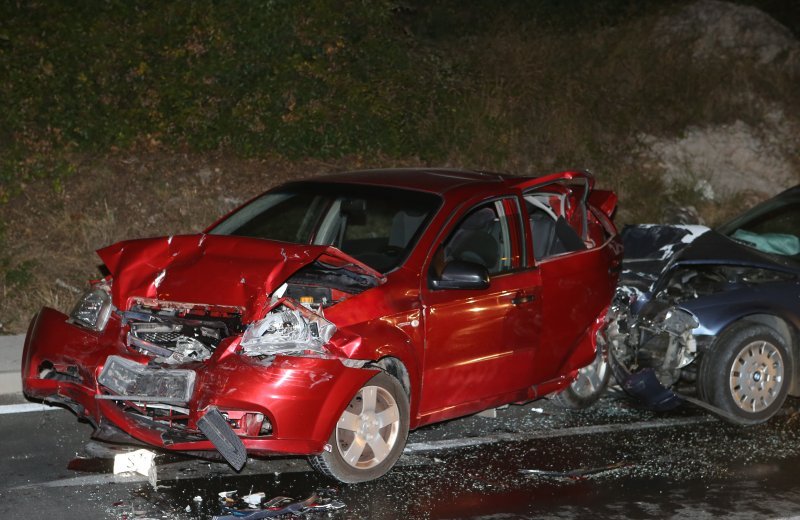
x=715 y=308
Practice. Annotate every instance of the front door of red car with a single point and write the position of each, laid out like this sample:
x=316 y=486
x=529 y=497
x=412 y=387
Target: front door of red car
x=480 y=342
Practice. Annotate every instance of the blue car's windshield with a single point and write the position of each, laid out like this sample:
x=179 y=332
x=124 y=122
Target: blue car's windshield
x=773 y=227
x=376 y=225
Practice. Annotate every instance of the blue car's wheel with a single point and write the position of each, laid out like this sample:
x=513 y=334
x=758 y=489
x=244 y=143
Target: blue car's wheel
x=746 y=372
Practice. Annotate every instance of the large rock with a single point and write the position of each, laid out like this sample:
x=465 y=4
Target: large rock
x=716 y=29
x=719 y=161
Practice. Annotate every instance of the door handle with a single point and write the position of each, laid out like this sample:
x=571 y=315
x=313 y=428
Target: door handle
x=527 y=298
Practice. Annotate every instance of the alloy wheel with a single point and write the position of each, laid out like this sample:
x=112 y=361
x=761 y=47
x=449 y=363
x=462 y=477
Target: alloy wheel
x=368 y=429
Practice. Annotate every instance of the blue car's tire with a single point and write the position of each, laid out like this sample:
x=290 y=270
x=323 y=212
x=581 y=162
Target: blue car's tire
x=747 y=372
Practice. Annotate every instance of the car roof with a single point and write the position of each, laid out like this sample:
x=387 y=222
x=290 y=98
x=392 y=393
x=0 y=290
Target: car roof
x=433 y=180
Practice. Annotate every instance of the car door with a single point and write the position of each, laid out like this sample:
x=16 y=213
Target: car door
x=479 y=342
x=575 y=262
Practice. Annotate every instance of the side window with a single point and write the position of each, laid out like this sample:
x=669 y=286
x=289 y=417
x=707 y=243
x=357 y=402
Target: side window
x=483 y=236
x=552 y=229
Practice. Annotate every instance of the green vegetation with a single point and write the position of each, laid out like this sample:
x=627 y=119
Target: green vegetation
x=540 y=84
x=527 y=86
x=298 y=78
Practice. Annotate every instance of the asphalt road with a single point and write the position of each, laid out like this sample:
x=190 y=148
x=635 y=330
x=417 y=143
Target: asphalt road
x=531 y=461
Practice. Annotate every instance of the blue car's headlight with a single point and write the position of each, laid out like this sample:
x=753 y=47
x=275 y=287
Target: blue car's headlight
x=93 y=309
x=676 y=321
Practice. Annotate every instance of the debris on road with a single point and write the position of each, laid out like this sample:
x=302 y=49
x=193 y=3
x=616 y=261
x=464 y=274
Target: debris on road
x=139 y=461
x=255 y=506
x=574 y=474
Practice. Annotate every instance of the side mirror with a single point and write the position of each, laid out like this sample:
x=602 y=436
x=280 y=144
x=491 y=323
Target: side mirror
x=462 y=275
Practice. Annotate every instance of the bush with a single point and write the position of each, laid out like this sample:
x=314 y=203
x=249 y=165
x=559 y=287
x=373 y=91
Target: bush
x=303 y=79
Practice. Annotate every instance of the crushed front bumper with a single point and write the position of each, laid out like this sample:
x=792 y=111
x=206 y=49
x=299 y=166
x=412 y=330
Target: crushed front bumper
x=298 y=400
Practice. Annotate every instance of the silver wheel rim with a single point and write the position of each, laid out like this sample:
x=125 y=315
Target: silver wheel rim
x=368 y=429
x=590 y=378
x=756 y=376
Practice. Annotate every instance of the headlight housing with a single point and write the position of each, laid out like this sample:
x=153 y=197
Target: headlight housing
x=288 y=329
x=93 y=308
x=676 y=321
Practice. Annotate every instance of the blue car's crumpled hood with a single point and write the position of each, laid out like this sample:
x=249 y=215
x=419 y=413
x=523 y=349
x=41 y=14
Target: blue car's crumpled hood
x=713 y=248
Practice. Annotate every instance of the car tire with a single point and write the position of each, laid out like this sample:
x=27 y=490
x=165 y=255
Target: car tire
x=746 y=372
x=369 y=436
x=588 y=386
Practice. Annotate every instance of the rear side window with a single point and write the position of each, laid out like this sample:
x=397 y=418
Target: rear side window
x=553 y=230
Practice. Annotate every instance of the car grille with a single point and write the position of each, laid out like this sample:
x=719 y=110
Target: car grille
x=159 y=337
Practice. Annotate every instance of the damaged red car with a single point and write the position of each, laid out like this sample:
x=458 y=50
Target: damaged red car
x=329 y=317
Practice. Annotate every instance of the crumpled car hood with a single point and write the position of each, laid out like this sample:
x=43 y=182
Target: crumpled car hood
x=213 y=269
x=650 y=247
x=713 y=248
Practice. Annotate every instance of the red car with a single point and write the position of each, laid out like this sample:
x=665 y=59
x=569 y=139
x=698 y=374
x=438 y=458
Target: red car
x=328 y=317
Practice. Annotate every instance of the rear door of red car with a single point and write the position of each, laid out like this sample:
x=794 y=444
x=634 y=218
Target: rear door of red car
x=480 y=342
x=576 y=251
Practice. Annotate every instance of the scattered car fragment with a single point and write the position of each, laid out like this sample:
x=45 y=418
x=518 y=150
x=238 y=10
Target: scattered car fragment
x=138 y=461
x=328 y=317
x=255 y=506
x=717 y=308
x=575 y=474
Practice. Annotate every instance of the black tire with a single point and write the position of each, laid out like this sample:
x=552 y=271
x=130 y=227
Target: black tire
x=746 y=372
x=587 y=388
x=380 y=444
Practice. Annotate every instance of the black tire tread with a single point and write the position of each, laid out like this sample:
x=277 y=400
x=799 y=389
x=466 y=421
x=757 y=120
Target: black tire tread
x=712 y=380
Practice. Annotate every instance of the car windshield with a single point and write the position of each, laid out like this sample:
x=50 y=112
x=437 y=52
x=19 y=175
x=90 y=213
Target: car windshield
x=376 y=225
x=771 y=227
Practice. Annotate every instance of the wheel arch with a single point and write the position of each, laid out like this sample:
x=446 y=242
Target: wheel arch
x=395 y=368
x=395 y=351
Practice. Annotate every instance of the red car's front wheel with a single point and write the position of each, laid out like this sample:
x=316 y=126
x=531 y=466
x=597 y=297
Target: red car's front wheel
x=370 y=434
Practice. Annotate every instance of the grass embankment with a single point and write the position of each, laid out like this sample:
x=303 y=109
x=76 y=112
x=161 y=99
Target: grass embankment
x=125 y=119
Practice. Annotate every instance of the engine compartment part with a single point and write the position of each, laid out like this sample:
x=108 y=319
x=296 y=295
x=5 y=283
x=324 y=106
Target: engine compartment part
x=178 y=333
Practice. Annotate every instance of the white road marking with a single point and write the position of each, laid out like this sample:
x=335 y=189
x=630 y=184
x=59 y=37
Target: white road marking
x=446 y=444
x=172 y=470
x=27 y=407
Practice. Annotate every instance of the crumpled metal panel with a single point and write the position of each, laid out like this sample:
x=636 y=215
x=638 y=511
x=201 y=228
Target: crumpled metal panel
x=234 y=271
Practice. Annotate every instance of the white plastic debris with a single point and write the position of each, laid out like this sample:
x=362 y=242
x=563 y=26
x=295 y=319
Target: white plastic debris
x=139 y=461
x=254 y=500
x=537 y=410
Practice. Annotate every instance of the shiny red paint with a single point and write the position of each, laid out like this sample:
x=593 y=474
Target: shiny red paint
x=460 y=350
x=236 y=272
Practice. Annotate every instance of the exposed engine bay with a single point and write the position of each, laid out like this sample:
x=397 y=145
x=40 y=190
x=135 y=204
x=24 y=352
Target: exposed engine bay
x=294 y=322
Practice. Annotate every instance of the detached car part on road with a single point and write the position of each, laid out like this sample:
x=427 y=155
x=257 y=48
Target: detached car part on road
x=328 y=317
x=719 y=308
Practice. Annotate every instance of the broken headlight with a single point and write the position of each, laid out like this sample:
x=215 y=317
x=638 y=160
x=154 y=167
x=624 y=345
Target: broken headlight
x=93 y=308
x=288 y=329
x=675 y=321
